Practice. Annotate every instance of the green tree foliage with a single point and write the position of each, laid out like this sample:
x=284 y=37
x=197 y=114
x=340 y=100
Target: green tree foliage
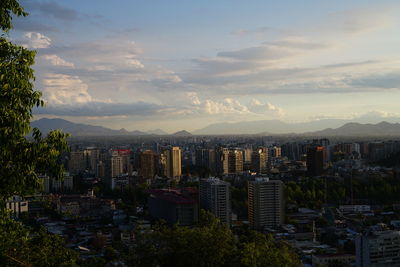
x=22 y=160
x=209 y=244
x=20 y=247
x=312 y=191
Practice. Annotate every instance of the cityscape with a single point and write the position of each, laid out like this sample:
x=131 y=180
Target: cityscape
x=330 y=201
x=199 y=133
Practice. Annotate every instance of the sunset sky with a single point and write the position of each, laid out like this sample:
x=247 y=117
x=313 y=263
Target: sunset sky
x=182 y=64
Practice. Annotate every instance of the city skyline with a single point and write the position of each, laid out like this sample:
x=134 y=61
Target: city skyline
x=167 y=64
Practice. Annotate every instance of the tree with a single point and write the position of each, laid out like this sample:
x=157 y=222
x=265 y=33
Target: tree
x=209 y=244
x=23 y=160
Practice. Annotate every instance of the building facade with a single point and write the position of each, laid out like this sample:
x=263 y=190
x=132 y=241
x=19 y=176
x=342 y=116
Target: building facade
x=215 y=197
x=266 y=203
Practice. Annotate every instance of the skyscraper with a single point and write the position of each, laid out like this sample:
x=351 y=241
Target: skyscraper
x=215 y=197
x=148 y=164
x=235 y=161
x=266 y=203
x=206 y=158
x=222 y=165
x=378 y=249
x=77 y=162
x=172 y=162
x=259 y=159
x=315 y=160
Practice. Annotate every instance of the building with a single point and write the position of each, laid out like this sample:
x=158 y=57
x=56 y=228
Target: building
x=171 y=161
x=266 y=203
x=333 y=260
x=259 y=159
x=276 y=152
x=247 y=155
x=215 y=197
x=315 y=160
x=222 y=161
x=77 y=162
x=378 y=249
x=114 y=166
x=125 y=155
x=235 y=161
x=175 y=206
x=17 y=206
x=148 y=164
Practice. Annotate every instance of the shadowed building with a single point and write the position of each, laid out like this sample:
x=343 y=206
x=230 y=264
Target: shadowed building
x=175 y=206
x=315 y=160
x=148 y=164
x=215 y=197
x=266 y=203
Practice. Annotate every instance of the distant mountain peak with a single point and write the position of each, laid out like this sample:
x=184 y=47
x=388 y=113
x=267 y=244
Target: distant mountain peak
x=78 y=129
x=182 y=133
x=382 y=128
x=157 y=131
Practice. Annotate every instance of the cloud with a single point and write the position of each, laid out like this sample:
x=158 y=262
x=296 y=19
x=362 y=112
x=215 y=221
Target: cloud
x=246 y=32
x=26 y=24
x=258 y=107
x=194 y=99
x=35 y=40
x=365 y=19
x=57 y=61
x=52 y=9
x=102 y=109
x=227 y=106
x=65 y=89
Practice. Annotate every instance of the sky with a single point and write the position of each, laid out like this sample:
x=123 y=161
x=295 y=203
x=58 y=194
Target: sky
x=185 y=64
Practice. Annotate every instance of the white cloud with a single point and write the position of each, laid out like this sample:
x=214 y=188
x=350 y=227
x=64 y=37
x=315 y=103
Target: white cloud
x=193 y=97
x=257 y=107
x=36 y=40
x=65 y=89
x=227 y=106
x=57 y=61
x=132 y=61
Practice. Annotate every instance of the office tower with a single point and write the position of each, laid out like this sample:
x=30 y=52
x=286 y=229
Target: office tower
x=215 y=197
x=378 y=249
x=175 y=206
x=266 y=203
x=171 y=162
x=324 y=142
x=376 y=151
x=77 y=162
x=212 y=164
x=247 y=155
x=201 y=157
x=114 y=166
x=276 y=152
x=125 y=155
x=148 y=164
x=221 y=158
x=205 y=158
x=235 y=161
x=291 y=151
x=315 y=160
x=92 y=157
x=101 y=170
x=259 y=159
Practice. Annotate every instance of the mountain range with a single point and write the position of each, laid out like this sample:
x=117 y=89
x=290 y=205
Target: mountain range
x=329 y=127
